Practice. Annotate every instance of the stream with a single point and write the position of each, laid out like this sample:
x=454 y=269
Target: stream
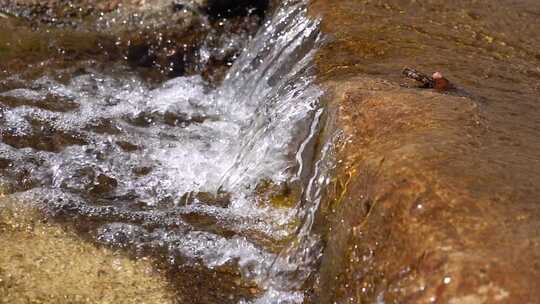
x=226 y=176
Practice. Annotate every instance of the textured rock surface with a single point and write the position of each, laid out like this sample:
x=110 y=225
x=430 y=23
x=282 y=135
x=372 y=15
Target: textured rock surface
x=422 y=213
x=43 y=263
x=436 y=196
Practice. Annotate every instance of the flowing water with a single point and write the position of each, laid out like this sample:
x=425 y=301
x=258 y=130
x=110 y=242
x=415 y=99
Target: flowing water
x=214 y=176
x=229 y=179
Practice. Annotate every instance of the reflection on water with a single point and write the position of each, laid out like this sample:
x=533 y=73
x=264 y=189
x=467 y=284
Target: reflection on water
x=182 y=168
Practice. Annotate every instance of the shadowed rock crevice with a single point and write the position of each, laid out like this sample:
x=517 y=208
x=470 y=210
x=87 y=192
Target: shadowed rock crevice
x=225 y=8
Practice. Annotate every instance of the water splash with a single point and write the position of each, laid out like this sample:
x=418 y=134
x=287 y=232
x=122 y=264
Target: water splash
x=140 y=158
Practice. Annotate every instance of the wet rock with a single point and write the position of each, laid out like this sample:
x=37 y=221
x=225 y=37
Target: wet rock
x=142 y=171
x=5 y=163
x=162 y=40
x=17 y=175
x=127 y=146
x=49 y=103
x=220 y=199
x=182 y=119
x=178 y=62
x=432 y=202
x=83 y=179
x=173 y=119
x=141 y=55
x=42 y=136
x=416 y=218
x=205 y=286
x=103 y=126
x=122 y=235
x=208 y=223
x=279 y=195
x=90 y=183
x=103 y=184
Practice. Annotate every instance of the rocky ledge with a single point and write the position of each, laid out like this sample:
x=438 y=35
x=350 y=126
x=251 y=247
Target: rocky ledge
x=422 y=212
x=436 y=195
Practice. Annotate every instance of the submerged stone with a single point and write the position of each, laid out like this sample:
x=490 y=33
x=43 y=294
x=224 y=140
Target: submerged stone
x=278 y=195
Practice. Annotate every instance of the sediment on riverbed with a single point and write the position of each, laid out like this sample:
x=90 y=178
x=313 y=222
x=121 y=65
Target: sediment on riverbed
x=435 y=198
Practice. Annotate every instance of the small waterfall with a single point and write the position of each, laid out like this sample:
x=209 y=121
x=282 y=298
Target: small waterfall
x=141 y=159
x=271 y=86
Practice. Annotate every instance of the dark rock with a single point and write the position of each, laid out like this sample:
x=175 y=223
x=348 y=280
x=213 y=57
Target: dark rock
x=5 y=163
x=103 y=126
x=143 y=119
x=177 y=64
x=141 y=55
x=81 y=180
x=142 y=171
x=103 y=185
x=182 y=119
x=177 y=6
x=220 y=199
x=127 y=146
x=43 y=137
x=233 y=8
x=49 y=103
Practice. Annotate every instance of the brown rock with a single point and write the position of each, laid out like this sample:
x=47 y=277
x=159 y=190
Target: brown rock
x=441 y=84
x=424 y=213
x=436 y=196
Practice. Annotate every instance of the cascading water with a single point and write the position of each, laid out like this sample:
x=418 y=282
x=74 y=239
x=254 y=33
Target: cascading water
x=140 y=160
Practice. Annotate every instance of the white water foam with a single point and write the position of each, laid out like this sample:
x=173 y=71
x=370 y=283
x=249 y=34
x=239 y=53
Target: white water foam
x=187 y=138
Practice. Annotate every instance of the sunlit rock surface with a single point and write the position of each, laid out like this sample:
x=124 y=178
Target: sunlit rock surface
x=435 y=195
x=74 y=272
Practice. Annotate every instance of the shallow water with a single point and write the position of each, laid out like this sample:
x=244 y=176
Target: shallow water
x=230 y=178
x=211 y=176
